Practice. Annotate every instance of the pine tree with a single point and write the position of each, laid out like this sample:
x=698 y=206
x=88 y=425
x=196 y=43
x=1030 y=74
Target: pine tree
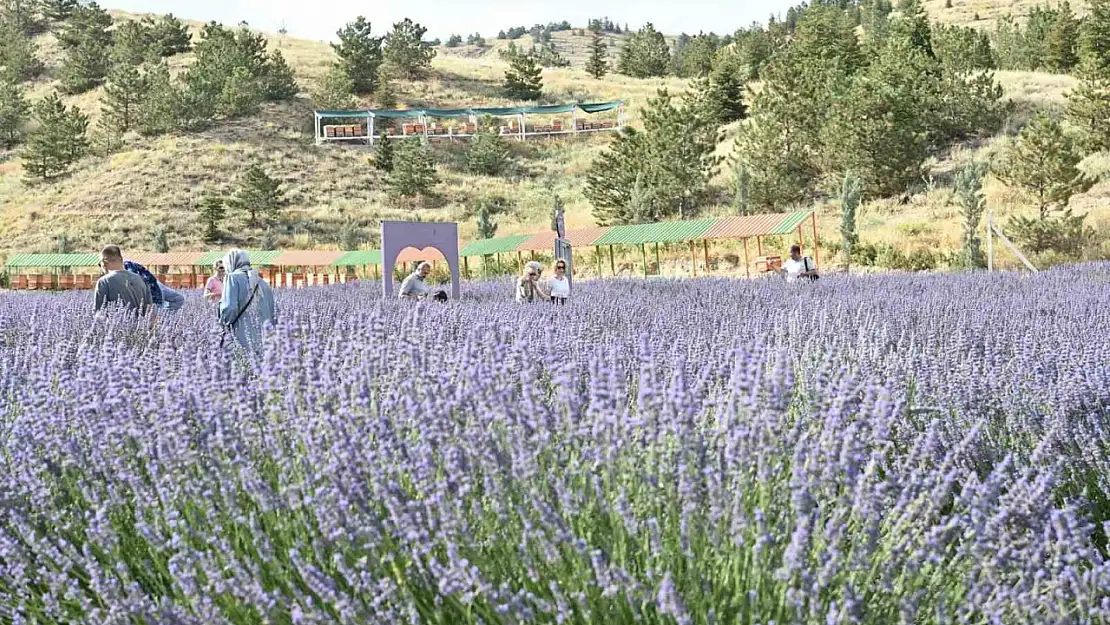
x=487 y=228
x=59 y=141
x=1061 y=50
x=18 y=52
x=523 y=80
x=1044 y=162
x=645 y=54
x=162 y=107
x=212 y=213
x=335 y=92
x=1094 y=37
x=87 y=23
x=134 y=42
x=161 y=240
x=58 y=10
x=171 y=37
x=360 y=55
x=1089 y=107
x=721 y=93
x=383 y=153
x=13 y=113
x=387 y=92
x=258 y=195
x=488 y=155
x=350 y=237
x=414 y=170
x=22 y=14
x=969 y=195
x=278 y=81
x=597 y=65
x=123 y=97
x=455 y=41
x=675 y=155
x=849 y=203
x=241 y=94
x=405 y=49
x=88 y=46
x=741 y=184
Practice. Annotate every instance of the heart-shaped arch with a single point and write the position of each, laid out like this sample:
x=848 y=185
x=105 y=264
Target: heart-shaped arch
x=406 y=241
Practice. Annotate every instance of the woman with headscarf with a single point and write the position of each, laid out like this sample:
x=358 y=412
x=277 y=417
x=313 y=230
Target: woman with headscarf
x=247 y=302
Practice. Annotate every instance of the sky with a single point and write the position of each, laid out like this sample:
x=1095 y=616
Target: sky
x=309 y=20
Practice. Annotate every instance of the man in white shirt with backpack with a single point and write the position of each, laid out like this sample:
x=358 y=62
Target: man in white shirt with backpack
x=798 y=266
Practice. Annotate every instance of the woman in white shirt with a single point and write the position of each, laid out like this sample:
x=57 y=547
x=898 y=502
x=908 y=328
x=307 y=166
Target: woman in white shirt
x=558 y=285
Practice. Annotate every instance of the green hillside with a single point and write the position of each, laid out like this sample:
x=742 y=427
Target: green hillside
x=152 y=183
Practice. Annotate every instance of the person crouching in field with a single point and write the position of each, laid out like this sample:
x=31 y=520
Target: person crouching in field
x=558 y=285
x=247 y=302
x=120 y=285
x=528 y=286
x=798 y=266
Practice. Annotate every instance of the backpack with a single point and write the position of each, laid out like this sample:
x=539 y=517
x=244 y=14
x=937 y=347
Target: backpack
x=806 y=267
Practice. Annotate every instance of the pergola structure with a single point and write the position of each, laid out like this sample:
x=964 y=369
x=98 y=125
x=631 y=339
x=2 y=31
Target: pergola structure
x=692 y=232
x=367 y=125
x=308 y=268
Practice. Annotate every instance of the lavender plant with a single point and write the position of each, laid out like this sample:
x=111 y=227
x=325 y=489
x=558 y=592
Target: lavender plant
x=918 y=450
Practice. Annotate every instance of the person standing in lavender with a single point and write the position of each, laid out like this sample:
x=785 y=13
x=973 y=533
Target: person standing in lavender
x=247 y=303
x=214 y=288
x=120 y=285
x=558 y=285
x=413 y=287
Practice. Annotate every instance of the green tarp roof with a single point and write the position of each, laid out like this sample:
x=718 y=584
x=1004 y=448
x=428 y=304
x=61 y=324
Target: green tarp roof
x=500 y=245
x=258 y=259
x=662 y=232
x=359 y=257
x=554 y=109
x=53 y=260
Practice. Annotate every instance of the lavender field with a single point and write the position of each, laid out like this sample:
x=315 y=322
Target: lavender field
x=879 y=450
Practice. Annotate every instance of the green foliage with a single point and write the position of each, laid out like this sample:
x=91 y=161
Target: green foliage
x=88 y=46
x=171 y=37
x=696 y=57
x=212 y=213
x=278 y=81
x=335 y=92
x=1044 y=162
x=162 y=107
x=414 y=170
x=487 y=228
x=741 y=186
x=241 y=94
x=523 y=80
x=912 y=26
x=1094 y=38
x=383 y=153
x=350 y=236
x=721 y=92
x=597 y=65
x=58 y=10
x=123 y=97
x=849 y=203
x=161 y=241
x=405 y=49
x=59 y=142
x=488 y=154
x=476 y=40
x=1062 y=232
x=557 y=207
x=1061 y=46
x=546 y=55
x=18 y=60
x=454 y=41
x=962 y=49
x=134 y=42
x=63 y=244
x=1089 y=107
x=645 y=54
x=674 y=154
x=13 y=113
x=387 y=92
x=881 y=134
x=23 y=15
x=258 y=195
x=360 y=55
x=969 y=196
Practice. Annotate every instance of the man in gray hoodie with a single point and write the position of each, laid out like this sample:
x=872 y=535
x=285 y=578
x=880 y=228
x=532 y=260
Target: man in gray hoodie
x=119 y=285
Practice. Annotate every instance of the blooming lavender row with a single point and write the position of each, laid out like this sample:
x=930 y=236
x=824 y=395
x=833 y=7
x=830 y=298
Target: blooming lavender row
x=881 y=450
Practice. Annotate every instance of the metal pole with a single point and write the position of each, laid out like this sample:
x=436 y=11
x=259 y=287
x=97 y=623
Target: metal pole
x=658 y=265
x=990 y=243
x=523 y=121
x=371 y=130
x=643 y=254
x=694 y=258
x=759 y=246
x=816 y=243
x=705 y=248
x=597 y=255
x=612 y=261
x=747 y=265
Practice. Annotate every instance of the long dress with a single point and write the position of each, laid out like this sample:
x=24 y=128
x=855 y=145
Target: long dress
x=260 y=313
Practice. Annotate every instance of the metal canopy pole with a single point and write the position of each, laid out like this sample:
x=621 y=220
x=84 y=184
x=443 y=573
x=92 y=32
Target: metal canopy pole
x=371 y=137
x=658 y=265
x=612 y=262
x=523 y=122
x=705 y=248
x=747 y=265
x=643 y=255
x=694 y=258
x=816 y=254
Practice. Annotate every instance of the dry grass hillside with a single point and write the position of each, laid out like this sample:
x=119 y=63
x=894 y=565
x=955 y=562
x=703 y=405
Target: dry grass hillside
x=153 y=183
